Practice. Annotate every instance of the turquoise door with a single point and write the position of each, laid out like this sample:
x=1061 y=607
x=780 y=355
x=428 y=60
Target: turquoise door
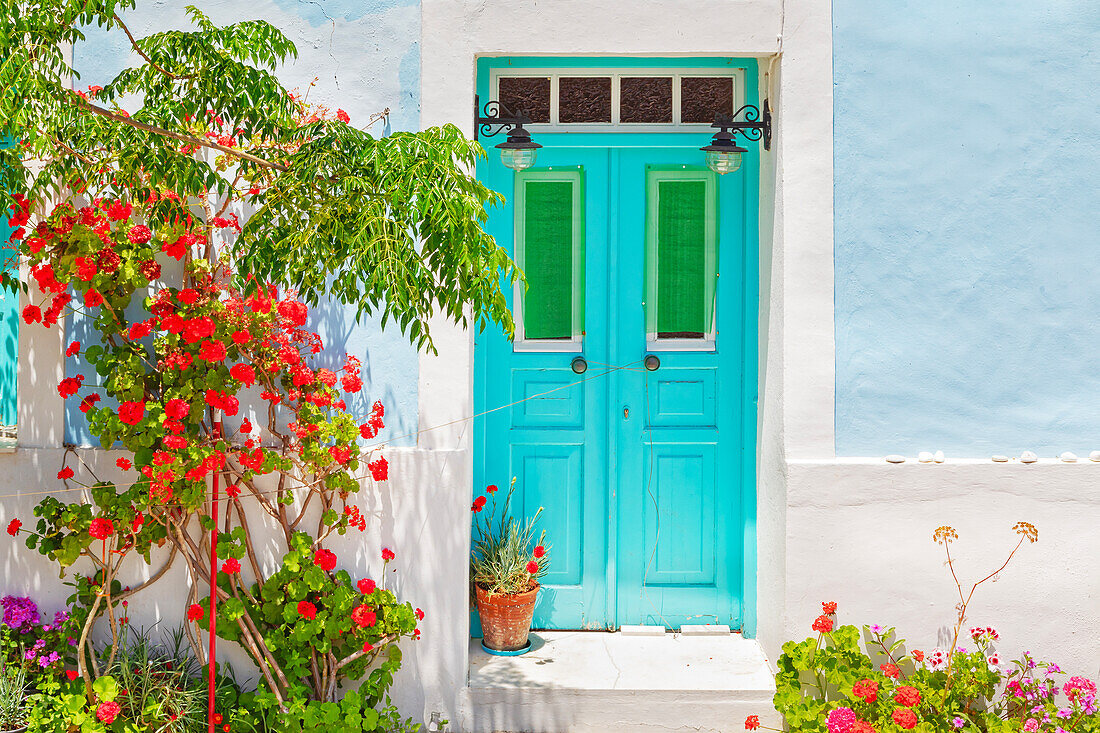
x=630 y=250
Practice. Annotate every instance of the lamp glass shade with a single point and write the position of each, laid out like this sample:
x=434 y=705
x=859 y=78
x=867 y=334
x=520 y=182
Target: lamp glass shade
x=518 y=159
x=722 y=162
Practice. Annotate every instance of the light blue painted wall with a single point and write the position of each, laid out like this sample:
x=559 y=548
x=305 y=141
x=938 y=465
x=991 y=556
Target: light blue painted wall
x=967 y=192
x=366 y=57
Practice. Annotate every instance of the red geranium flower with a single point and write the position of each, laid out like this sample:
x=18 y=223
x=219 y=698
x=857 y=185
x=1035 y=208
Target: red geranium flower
x=380 y=469
x=364 y=616
x=131 y=412
x=195 y=612
x=107 y=712
x=907 y=696
x=65 y=473
x=71 y=674
x=139 y=234
x=307 y=610
x=243 y=373
x=13 y=527
x=70 y=385
x=88 y=402
x=387 y=554
x=230 y=566
x=366 y=586
x=343 y=116
x=918 y=655
x=866 y=689
x=491 y=488
x=822 y=624
x=532 y=567
x=828 y=607
x=177 y=408
x=752 y=722
x=905 y=718
x=92 y=298
x=74 y=349
x=419 y=614
x=890 y=670
x=118 y=211
x=139 y=331
x=212 y=350
x=326 y=559
x=135 y=526
x=539 y=551
x=101 y=528
x=32 y=314
x=367 y=647
x=241 y=337
x=124 y=464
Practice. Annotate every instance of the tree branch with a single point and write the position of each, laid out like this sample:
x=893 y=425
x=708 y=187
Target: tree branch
x=190 y=139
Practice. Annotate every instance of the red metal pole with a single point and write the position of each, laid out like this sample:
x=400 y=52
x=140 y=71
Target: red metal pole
x=213 y=586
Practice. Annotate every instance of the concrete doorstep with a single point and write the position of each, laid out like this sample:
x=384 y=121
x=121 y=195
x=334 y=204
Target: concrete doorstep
x=582 y=681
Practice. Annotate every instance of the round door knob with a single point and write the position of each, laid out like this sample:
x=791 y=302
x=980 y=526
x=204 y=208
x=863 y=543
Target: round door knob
x=652 y=362
x=579 y=365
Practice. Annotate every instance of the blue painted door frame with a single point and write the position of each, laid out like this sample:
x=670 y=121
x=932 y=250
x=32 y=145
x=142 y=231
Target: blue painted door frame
x=647 y=479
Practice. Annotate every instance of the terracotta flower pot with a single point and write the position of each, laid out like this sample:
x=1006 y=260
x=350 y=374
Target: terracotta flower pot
x=506 y=619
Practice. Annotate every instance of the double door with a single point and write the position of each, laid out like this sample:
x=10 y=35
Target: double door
x=623 y=391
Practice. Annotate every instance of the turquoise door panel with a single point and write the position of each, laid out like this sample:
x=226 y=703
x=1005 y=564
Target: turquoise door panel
x=553 y=440
x=679 y=443
x=645 y=478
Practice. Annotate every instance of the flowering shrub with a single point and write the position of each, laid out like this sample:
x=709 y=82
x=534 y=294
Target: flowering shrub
x=502 y=559
x=41 y=648
x=842 y=681
x=169 y=374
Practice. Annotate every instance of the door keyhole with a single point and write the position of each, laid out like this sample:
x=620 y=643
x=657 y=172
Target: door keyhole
x=626 y=413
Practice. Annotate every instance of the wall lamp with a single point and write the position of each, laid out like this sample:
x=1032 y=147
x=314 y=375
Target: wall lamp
x=723 y=153
x=519 y=151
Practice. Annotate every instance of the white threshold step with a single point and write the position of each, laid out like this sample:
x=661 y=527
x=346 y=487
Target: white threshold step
x=583 y=682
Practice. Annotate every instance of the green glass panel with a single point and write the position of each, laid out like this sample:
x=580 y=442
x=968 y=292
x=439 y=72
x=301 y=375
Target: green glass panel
x=548 y=259
x=681 y=259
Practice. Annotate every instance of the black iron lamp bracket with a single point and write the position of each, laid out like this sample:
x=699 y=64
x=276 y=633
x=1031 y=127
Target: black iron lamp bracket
x=755 y=125
x=496 y=118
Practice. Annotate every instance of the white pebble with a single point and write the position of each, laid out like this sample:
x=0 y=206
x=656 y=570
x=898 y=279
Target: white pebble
x=1000 y=459
x=1028 y=457
x=1095 y=456
x=895 y=458
x=924 y=457
x=939 y=457
x=1068 y=457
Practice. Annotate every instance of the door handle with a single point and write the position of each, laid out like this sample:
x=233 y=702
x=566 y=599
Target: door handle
x=652 y=362
x=579 y=365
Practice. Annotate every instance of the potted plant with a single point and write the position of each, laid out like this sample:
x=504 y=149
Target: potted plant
x=13 y=687
x=505 y=566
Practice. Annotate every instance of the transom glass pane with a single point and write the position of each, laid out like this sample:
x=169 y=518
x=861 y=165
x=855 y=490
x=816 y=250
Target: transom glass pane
x=681 y=258
x=530 y=94
x=584 y=99
x=702 y=97
x=645 y=99
x=550 y=252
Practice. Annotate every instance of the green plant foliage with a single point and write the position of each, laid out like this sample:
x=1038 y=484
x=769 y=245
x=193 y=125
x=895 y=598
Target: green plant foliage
x=505 y=557
x=388 y=225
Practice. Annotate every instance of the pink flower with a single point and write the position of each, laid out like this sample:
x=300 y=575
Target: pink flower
x=1031 y=724
x=840 y=720
x=1079 y=687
